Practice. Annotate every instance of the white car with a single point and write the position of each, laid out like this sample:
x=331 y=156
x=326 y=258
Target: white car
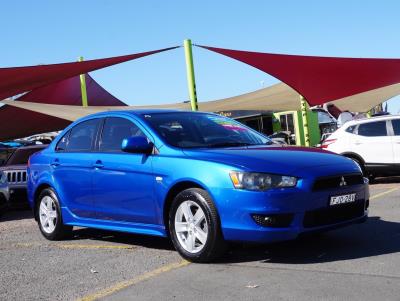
x=374 y=143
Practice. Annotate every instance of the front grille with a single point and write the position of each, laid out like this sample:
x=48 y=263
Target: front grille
x=274 y=220
x=16 y=176
x=333 y=215
x=337 y=181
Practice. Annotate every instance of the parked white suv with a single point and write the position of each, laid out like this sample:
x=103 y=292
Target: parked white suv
x=374 y=143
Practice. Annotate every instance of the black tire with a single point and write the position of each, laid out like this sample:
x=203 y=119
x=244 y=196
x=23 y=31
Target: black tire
x=215 y=245
x=60 y=231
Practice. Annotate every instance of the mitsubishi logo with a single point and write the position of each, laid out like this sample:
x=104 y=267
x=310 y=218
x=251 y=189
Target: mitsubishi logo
x=342 y=182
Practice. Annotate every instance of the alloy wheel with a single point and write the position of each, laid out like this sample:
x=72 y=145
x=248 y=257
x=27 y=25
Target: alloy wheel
x=191 y=226
x=48 y=214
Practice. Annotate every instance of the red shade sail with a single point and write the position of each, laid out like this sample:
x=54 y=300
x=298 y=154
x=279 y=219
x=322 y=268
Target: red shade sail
x=18 y=123
x=321 y=79
x=21 y=79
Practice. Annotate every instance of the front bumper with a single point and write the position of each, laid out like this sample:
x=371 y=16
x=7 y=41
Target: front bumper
x=297 y=210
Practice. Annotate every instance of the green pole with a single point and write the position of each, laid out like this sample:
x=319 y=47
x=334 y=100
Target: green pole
x=190 y=74
x=83 y=87
x=303 y=107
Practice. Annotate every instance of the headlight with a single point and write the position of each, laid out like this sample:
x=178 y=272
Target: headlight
x=260 y=181
x=3 y=178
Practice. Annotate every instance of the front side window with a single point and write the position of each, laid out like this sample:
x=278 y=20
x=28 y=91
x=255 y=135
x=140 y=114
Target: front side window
x=114 y=131
x=396 y=126
x=81 y=137
x=201 y=130
x=373 y=129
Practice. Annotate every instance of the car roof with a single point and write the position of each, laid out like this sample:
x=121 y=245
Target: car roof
x=145 y=111
x=371 y=119
x=140 y=112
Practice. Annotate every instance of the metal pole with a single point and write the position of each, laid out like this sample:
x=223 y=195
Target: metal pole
x=303 y=107
x=190 y=74
x=83 y=87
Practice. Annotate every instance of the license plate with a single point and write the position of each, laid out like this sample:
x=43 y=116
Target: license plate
x=342 y=199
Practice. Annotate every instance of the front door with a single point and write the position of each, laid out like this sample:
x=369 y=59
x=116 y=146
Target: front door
x=123 y=182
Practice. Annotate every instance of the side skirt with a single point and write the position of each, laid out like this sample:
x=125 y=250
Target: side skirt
x=146 y=229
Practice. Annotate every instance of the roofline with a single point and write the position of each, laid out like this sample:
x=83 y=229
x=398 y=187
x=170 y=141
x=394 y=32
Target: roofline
x=354 y=121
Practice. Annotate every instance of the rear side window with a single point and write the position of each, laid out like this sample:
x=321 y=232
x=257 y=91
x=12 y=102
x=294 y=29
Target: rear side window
x=81 y=137
x=373 y=129
x=114 y=131
x=396 y=126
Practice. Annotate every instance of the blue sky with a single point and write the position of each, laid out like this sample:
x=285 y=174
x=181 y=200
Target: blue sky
x=41 y=32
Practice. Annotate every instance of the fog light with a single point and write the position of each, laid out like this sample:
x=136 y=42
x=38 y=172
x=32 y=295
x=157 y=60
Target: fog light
x=274 y=220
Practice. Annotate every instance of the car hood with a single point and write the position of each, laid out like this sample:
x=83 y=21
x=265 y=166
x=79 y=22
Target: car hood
x=275 y=159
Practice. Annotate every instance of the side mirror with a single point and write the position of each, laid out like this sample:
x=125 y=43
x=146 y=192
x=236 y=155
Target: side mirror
x=137 y=145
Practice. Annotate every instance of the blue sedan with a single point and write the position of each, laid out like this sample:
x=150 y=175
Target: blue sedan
x=199 y=178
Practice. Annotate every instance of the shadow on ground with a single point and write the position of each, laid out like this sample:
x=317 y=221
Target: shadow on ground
x=386 y=180
x=147 y=241
x=375 y=237
x=14 y=215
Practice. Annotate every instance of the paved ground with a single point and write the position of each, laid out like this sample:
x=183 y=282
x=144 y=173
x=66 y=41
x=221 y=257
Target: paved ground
x=359 y=262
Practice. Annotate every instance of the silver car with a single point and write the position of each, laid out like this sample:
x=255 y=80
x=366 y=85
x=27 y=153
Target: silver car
x=4 y=192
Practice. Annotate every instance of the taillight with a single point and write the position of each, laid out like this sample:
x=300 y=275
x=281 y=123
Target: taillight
x=29 y=162
x=327 y=142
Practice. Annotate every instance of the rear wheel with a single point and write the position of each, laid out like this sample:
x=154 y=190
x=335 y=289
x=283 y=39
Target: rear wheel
x=49 y=216
x=194 y=226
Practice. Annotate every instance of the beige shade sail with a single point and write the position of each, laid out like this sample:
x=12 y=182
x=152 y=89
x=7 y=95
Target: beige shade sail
x=279 y=97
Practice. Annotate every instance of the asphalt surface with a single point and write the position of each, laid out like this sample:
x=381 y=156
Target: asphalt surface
x=360 y=262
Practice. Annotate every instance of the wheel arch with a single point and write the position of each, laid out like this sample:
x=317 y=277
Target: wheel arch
x=354 y=156
x=357 y=157
x=172 y=193
x=36 y=194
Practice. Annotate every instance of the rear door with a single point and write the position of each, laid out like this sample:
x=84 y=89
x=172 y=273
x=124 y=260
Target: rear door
x=396 y=140
x=72 y=166
x=123 y=182
x=373 y=143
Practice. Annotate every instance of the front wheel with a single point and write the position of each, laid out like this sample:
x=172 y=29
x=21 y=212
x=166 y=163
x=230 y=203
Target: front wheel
x=194 y=226
x=49 y=216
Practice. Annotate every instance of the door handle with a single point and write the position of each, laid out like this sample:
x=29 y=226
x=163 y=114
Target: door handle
x=55 y=163
x=98 y=164
x=358 y=142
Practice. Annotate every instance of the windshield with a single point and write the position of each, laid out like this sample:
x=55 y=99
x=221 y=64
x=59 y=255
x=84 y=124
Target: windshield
x=199 y=130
